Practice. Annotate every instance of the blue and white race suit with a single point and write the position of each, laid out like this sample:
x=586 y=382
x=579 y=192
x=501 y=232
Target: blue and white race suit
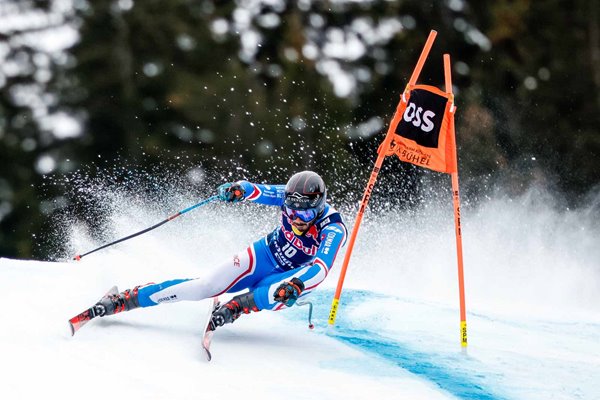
x=268 y=262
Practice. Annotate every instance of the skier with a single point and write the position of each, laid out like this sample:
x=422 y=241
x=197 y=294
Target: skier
x=278 y=269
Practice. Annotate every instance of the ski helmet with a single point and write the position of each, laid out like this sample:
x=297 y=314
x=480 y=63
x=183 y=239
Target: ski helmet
x=305 y=196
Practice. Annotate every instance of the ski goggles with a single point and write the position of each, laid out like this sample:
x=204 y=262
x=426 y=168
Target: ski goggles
x=305 y=215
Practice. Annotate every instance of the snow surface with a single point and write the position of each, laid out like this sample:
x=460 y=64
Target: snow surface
x=532 y=273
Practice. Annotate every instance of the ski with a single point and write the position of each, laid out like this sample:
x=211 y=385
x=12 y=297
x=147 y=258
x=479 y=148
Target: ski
x=78 y=321
x=208 y=333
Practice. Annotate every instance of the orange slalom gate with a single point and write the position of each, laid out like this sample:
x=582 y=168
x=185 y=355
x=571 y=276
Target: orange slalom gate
x=426 y=138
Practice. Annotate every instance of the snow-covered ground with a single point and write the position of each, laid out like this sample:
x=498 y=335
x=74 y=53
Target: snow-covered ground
x=532 y=274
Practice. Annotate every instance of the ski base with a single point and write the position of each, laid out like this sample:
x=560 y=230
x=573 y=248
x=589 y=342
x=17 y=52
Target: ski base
x=208 y=333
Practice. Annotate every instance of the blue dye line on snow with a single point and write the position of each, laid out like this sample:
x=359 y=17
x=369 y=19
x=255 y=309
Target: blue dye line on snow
x=422 y=364
x=433 y=367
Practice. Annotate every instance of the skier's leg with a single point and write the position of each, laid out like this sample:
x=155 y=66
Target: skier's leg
x=245 y=303
x=260 y=297
x=237 y=273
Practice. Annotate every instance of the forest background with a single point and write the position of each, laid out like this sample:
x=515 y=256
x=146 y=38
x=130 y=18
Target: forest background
x=192 y=93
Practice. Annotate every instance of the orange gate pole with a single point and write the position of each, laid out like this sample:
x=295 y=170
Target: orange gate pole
x=371 y=184
x=456 y=204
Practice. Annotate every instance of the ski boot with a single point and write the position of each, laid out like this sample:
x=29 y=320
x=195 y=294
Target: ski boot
x=115 y=302
x=230 y=311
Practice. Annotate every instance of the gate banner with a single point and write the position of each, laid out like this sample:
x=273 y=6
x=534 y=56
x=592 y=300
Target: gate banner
x=423 y=135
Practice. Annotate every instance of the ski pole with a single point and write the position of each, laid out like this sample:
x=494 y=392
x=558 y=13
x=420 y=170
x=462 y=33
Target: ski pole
x=172 y=217
x=310 y=310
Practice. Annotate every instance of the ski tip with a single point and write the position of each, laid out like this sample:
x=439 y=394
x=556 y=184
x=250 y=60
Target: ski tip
x=80 y=320
x=72 y=328
x=77 y=257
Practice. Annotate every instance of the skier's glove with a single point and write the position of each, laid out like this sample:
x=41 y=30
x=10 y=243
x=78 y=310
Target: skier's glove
x=288 y=292
x=231 y=192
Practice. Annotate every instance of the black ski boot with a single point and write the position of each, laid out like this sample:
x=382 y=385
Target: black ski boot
x=230 y=311
x=114 y=303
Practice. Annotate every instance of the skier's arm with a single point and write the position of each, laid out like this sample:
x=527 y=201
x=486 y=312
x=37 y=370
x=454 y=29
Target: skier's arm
x=333 y=238
x=272 y=195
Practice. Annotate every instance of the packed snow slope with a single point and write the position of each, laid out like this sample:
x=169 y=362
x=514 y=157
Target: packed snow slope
x=532 y=272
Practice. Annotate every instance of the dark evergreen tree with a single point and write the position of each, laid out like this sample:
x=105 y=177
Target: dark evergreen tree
x=258 y=90
x=30 y=140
